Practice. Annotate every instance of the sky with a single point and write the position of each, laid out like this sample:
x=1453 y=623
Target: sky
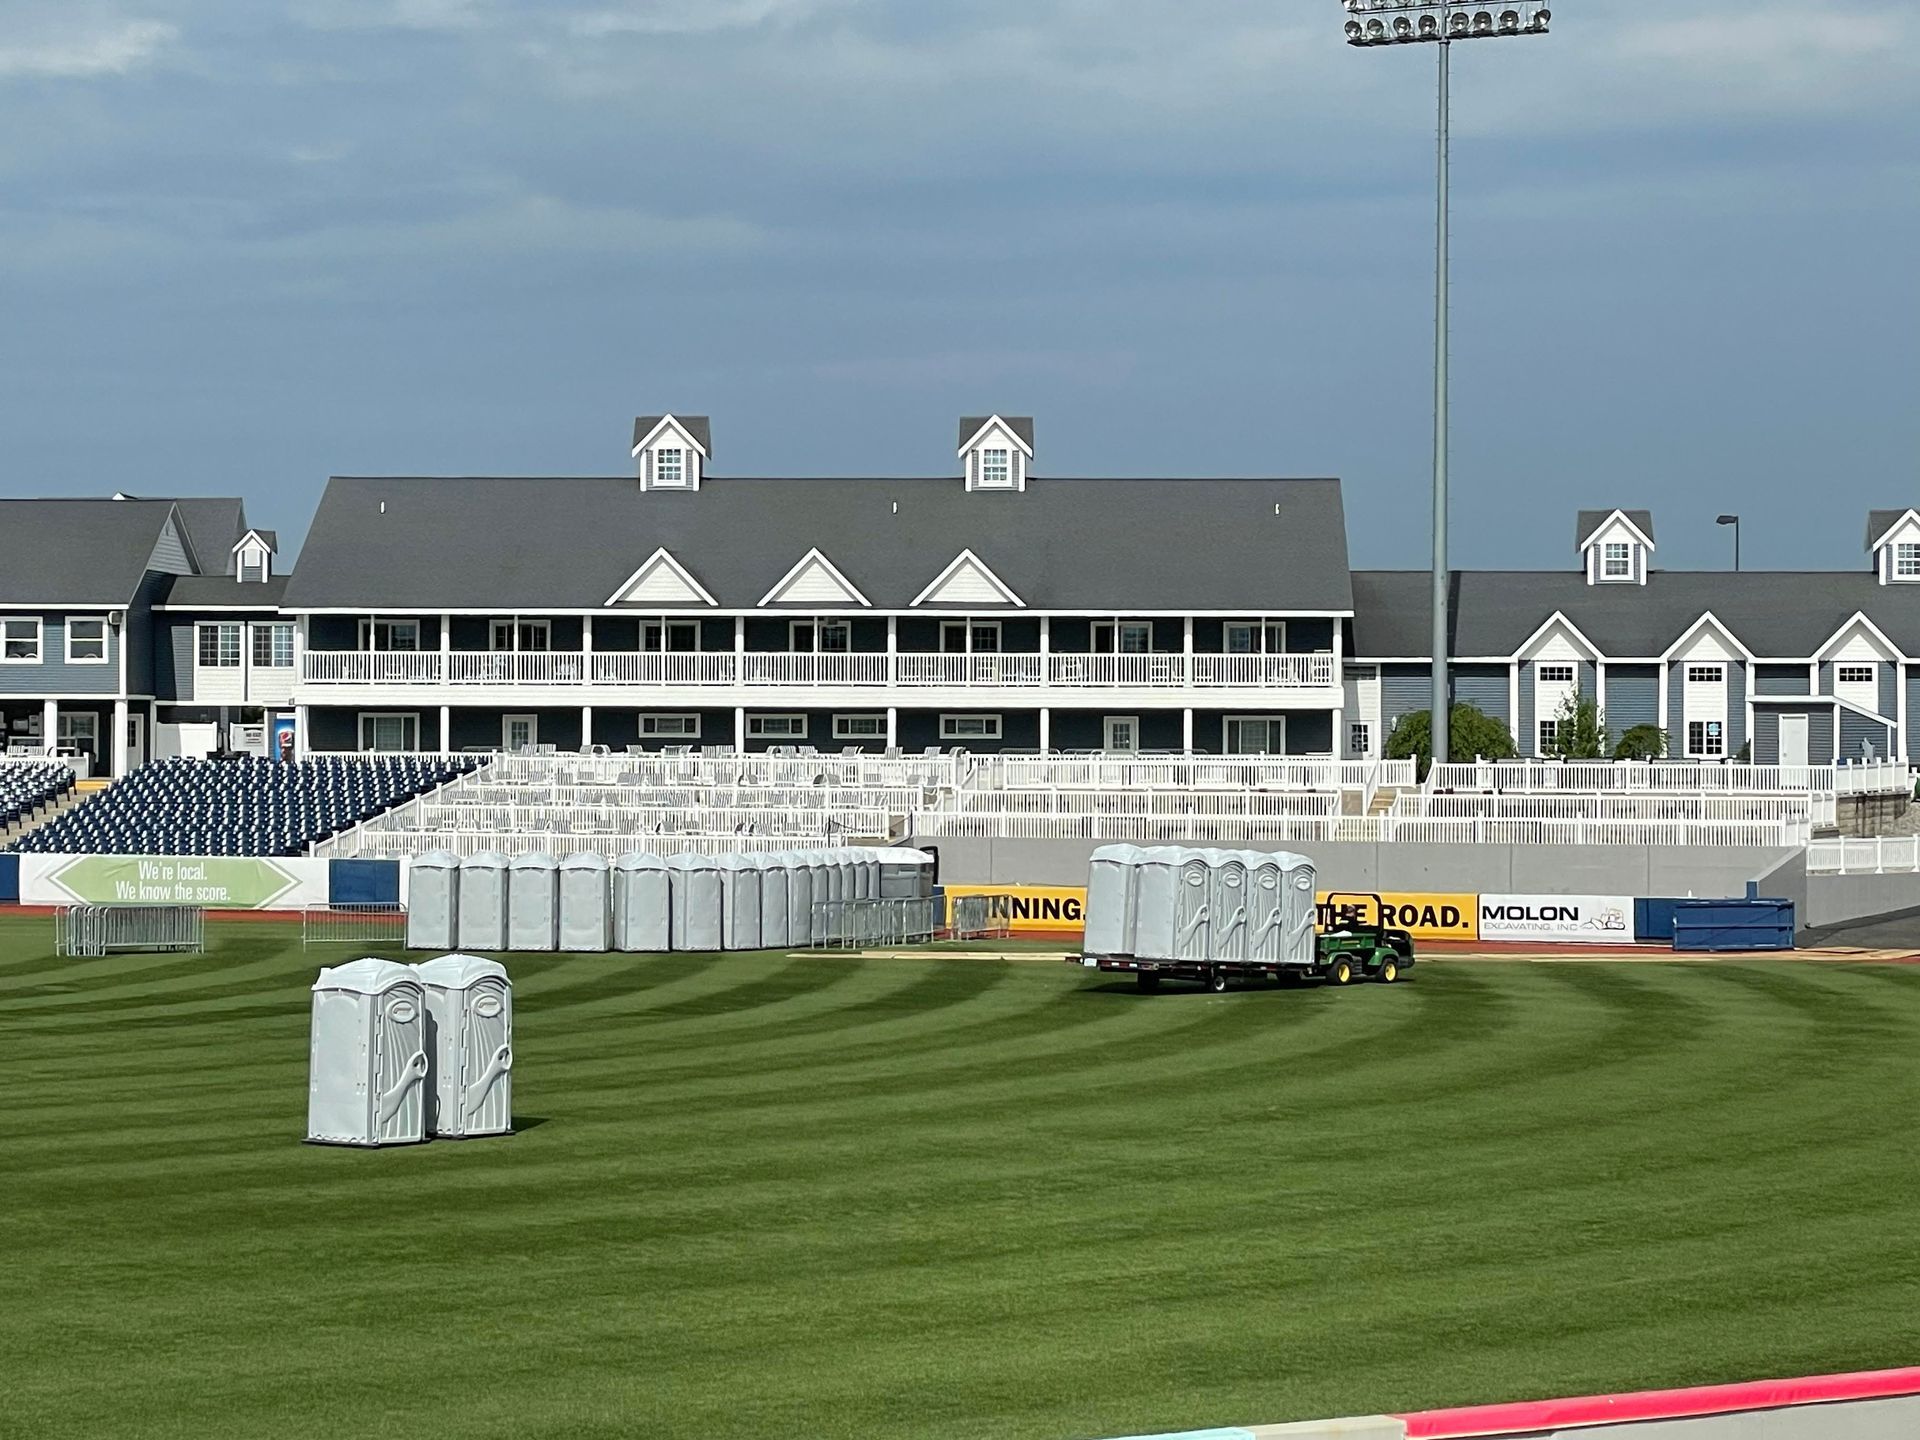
x=246 y=244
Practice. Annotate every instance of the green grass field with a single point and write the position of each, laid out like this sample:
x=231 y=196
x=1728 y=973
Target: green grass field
x=757 y=1196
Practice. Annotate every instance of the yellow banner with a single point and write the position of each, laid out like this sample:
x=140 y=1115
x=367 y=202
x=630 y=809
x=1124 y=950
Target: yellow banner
x=1037 y=909
x=1425 y=917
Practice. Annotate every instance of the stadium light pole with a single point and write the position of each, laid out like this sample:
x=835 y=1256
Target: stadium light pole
x=1439 y=23
x=1733 y=520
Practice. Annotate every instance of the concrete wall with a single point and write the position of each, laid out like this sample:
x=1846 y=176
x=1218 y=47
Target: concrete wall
x=1837 y=899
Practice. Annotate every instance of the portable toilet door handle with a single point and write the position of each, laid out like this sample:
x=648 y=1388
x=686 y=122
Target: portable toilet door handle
x=415 y=1072
x=476 y=1094
x=1193 y=925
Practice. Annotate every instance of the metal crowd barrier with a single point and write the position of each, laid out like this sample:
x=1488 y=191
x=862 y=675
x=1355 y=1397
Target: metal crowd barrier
x=384 y=924
x=91 y=931
x=855 y=924
x=980 y=917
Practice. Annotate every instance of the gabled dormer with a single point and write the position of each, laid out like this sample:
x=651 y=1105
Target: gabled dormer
x=1616 y=546
x=253 y=557
x=670 y=452
x=1893 y=539
x=996 y=451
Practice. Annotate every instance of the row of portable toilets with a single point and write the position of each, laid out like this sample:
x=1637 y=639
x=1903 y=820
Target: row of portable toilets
x=1220 y=906
x=646 y=904
x=401 y=1053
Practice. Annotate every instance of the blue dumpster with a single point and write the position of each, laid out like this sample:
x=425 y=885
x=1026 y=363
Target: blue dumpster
x=1719 y=926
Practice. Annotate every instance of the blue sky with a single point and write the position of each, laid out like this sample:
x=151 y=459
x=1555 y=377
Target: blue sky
x=245 y=244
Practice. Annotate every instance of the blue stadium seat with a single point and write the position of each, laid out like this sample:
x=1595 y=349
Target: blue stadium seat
x=26 y=786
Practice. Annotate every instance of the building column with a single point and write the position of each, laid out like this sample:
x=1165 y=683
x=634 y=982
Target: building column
x=740 y=729
x=1186 y=730
x=446 y=729
x=118 y=747
x=893 y=715
x=586 y=647
x=302 y=742
x=49 y=724
x=893 y=661
x=586 y=727
x=1046 y=728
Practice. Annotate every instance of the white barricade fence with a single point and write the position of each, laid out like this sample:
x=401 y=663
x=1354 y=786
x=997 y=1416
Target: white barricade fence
x=353 y=925
x=94 y=931
x=1682 y=777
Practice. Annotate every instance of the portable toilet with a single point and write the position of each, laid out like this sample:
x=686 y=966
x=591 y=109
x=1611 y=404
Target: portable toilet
x=367 y=1062
x=829 y=891
x=586 y=904
x=642 y=905
x=433 y=901
x=776 y=880
x=483 y=901
x=1267 y=913
x=1156 y=904
x=1193 y=909
x=740 y=901
x=905 y=874
x=469 y=1047
x=803 y=873
x=1111 y=894
x=533 y=902
x=866 y=872
x=1301 y=886
x=698 y=902
x=1227 y=906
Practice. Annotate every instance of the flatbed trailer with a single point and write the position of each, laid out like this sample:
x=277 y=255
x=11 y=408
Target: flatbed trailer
x=1358 y=950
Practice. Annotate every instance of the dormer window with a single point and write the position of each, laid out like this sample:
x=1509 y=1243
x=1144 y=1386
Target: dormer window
x=253 y=557
x=1617 y=561
x=1906 y=562
x=669 y=468
x=996 y=469
x=1616 y=546
x=996 y=451
x=671 y=451
x=253 y=565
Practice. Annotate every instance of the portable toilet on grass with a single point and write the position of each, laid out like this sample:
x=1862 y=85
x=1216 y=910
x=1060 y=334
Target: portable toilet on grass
x=1267 y=908
x=1227 y=906
x=866 y=872
x=642 y=905
x=1111 y=896
x=830 y=888
x=469 y=1047
x=1156 y=904
x=586 y=904
x=800 y=874
x=905 y=874
x=483 y=902
x=433 y=901
x=1193 y=908
x=740 y=891
x=698 y=902
x=1300 y=884
x=367 y=1060
x=776 y=931
x=533 y=902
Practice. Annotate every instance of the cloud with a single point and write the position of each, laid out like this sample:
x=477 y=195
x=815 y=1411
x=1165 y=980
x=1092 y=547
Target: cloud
x=60 y=48
x=694 y=17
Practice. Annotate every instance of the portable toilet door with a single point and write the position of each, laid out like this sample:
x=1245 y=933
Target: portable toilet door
x=433 y=901
x=1193 y=914
x=367 y=1061
x=832 y=921
x=1301 y=886
x=1227 y=925
x=905 y=874
x=483 y=902
x=740 y=891
x=642 y=905
x=586 y=904
x=775 y=914
x=469 y=1047
x=1156 y=909
x=1110 y=899
x=697 y=902
x=1266 y=909
x=533 y=902
x=811 y=883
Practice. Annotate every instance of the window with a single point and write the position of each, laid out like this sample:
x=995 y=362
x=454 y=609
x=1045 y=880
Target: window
x=1113 y=637
x=1549 y=732
x=669 y=467
x=390 y=733
x=777 y=727
x=1906 y=562
x=969 y=727
x=1616 y=561
x=859 y=727
x=521 y=634
x=253 y=564
x=1706 y=739
x=519 y=732
x=681 y=727
x=682 y=637
x=1256 y=735
x=978 y=637
x=20 y=641
x=389 y=634
x=826 y=637
x=1257 y=637
x=1854 y=674
x=1706 y=674
x=273 y=647
x=219 y=647
x=86 y=641
x=1556 y=674
x=1360 y=738
x=996 y=469
x=79 y=730
x=1123 y=734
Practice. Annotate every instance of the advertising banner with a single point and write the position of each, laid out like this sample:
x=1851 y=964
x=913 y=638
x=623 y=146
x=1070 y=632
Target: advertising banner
x=1038 y=909
x=1425 y=917
x=1557 y=919
x=219 y=883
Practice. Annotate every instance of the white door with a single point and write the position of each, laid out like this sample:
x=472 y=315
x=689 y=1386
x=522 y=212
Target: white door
x=1793 y=740
x=136 y=741
x=519 y=732
x=1123 y=734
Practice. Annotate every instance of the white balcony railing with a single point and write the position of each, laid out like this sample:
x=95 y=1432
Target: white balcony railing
x=529 y=669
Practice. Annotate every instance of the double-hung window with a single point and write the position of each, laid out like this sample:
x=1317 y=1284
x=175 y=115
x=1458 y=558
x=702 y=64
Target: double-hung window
x=996 y=469
x=20 y=640
x=979 y=637
x=1549 y=732
x=219 y=646
x=1906 y=561
x=1122 y=637
x=522 y=634
x=825 y=637
x=1256 y=637
x=389 y=634
x=1616 y=561
x=86 y=641
x=669 y=467
x=682 y=637
x=272 y=647
x=1706 y=739
x=390 y=733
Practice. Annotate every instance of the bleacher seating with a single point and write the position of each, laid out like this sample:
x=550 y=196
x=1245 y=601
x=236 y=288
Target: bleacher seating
x=27 y=785
x=245 y=806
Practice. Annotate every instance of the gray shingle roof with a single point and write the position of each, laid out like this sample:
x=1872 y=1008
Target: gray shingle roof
x=1879 y=522
x=77 y=552
x=213 y=525
x=1493 y=613
x=1021 y=425
x=1118 y=546
x=698 y=426
x=1592 y=520
x=224 y=590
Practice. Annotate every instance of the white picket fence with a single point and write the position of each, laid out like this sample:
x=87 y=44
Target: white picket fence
x=1670 y=777
x=1879 y=855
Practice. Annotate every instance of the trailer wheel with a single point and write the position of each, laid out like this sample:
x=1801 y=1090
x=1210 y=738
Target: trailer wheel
x=1146 y=981
x=1389 y=970
x=1217 y=981
x=1341 y=972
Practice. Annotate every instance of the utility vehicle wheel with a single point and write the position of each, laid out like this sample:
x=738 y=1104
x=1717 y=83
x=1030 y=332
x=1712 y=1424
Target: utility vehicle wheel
x=1341 y=973
x=1217 y=982
x=1389 y=970
x=1147 y=982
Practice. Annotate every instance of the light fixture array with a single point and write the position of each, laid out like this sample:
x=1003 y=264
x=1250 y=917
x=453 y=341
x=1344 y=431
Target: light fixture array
x=1413 y=22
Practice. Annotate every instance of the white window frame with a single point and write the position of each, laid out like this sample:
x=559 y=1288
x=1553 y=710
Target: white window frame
x=975 y=629
x=994 y=727
x=1556 y=672
x=1906 y=561
x=996 y=468
x=1545 y=733
x=101 y=641
x=1114 y=639
x=1107 y=725
x=786 y=726
x=1856 y=674
x=253 y=558
x=687 y=726
x=8 y=640
x=1704 y=749
x=272 y=631
x=1360 y=738
x=1270 y=721
x=78 y=730
x=222 y=629
x=1263 y=637
x=666 y=625
x=370 y=627
x=670 y=476
x=816 y=631
x=844 y=726
x=410 y=724
x=1706 y=674
x=506 y=732
x=1623 y=559
x=520 y=631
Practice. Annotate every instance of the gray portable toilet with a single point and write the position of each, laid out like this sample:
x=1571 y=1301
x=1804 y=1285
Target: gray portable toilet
x=1193 y=907
x=483 y=901
x=586 y=904
x=829 y=889
x=469 y=1047
x=1266 y=908
x=1300 y=885
x=433 y=900
x=776 y=932
x=801 y=871
x=1156 y=904
x=642 y=905
x=740 y=892
x=866 y=872
x=698 y=902
x=1111 y=896
x=1227 y=906
x=367 y=1061
x=533 y=902
x=905 y=874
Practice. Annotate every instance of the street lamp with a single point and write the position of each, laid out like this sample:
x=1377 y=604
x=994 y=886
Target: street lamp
x=1733 y=520
x=1440 y=23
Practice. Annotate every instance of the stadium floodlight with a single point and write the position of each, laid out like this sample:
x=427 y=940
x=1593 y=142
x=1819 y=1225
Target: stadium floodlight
x=1440 y=23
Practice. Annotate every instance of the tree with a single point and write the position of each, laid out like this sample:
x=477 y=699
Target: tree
x=1642 y=742
x=1579 y=730
x=1472 y=735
